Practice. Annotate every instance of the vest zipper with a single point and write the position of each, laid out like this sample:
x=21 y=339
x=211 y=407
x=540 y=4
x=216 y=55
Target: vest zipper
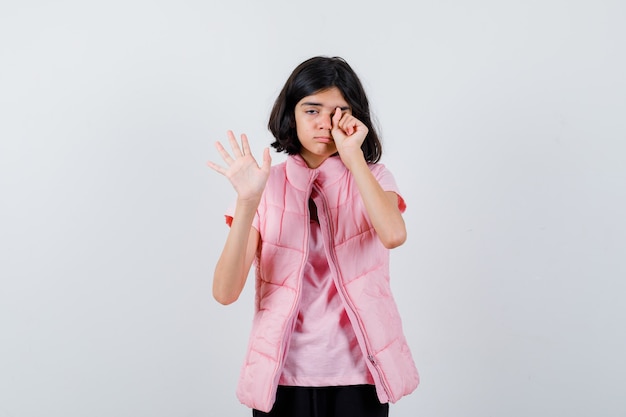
x=294 y=311
x=347 y=302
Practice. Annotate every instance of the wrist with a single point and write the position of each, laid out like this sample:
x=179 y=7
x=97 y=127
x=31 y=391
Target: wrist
x=248 y=202
x=354 y=161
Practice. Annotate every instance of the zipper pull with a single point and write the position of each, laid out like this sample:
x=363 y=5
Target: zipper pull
x=371 y=359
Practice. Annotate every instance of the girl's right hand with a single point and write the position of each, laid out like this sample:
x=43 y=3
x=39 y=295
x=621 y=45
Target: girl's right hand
x=243 y=171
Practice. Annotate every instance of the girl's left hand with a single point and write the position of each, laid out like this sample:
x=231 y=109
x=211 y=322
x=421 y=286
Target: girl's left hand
x=348 y=133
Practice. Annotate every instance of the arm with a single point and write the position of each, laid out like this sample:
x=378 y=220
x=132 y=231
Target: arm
x=234 y=263
x=382 y=206
x=242 y=242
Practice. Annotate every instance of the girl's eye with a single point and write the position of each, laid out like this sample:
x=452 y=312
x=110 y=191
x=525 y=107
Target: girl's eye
x=310 y=111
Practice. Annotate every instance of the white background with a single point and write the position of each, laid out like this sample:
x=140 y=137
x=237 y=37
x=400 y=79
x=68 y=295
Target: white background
x=504 y=123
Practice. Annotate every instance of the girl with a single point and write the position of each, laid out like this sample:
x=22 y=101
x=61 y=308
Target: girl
x=326 y=338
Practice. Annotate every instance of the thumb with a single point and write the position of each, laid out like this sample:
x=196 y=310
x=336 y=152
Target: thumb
x=336 y=130
x=336 y=118
x=267 y=160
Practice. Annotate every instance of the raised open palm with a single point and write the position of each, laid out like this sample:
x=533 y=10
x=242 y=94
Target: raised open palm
x=243 y=171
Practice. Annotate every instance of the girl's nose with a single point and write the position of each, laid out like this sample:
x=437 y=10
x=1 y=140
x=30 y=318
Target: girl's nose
x=326 y=121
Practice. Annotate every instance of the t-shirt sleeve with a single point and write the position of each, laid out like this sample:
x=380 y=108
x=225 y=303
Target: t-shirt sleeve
x=388 y=183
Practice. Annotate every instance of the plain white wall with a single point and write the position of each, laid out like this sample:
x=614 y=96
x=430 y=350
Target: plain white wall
x=504 y=124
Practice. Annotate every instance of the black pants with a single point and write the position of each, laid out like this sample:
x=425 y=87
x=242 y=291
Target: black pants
x=344 y=401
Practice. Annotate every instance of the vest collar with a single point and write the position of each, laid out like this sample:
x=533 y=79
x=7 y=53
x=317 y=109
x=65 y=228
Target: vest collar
x=301 y=176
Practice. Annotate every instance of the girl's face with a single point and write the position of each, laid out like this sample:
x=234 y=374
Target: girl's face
x=313 y=124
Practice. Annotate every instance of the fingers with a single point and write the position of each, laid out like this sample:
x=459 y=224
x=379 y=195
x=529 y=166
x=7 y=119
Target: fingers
x=225 y=155
x=245 y=145
x=216 y=167
x=347 y=123
x=234 y=145
x=238 y=153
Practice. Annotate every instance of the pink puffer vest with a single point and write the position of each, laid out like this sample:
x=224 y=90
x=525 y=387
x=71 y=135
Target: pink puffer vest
x=360 y=265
